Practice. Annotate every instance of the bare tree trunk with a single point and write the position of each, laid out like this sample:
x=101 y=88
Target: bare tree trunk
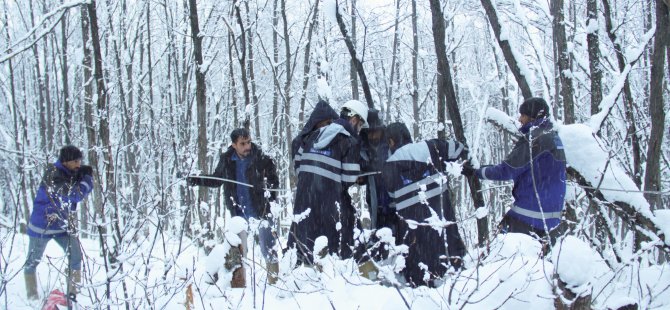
x=242 y=57
x=88 y=120
x=628 y=97
x=307 y=62
x=201 y=102
x=652 y=181
x=252 y=78
x=289 y=77
x=561 y=46
x=394 y=60
x=504 y=44
x=447 y=91
x=48 y=102
x=594 y=56
x=18 y=123
x=352 y=51
x=103 y=112
x=352 y=64
x=41 y=104
x=67 y=110
x=232 y=78
x=275 y=60
x=415 y=68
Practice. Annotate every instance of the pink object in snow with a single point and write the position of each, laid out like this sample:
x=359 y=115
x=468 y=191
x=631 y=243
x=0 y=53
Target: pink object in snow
x=56 y=298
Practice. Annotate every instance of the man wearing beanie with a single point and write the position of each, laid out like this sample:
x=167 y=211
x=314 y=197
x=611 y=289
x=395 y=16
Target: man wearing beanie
x=537 y=167
x=64 y=183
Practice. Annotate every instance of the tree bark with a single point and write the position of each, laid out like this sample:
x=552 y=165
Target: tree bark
x=90 y=126
x=627 y=99
x=20 y=139
x=289 y=77
x=67 y=110
x=41 y=104
x=357 y=63
x=307 y=62
x=563 y=61
x=352 y=63
x=447 y=91
x=594 y=56
x=103 y=128
x=504 y=44
x=201 y=110
x=275 y=60
x=242 y=58
x=652 y=181
x=415 y=67
x=394 y=60
x=252 y=75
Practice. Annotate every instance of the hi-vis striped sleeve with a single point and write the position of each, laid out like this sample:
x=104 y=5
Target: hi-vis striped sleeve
x=410 y=194
x=327 y=167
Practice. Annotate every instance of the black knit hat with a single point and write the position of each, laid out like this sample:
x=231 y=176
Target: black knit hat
x=399 y=133
x=373 y=119
x=535 y=108
x=69 y=153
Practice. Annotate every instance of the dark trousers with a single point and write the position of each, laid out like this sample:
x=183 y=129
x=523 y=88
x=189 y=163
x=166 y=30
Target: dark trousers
x=513 y=225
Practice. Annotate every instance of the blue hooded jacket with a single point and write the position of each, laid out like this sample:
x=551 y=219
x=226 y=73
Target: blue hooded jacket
x=57 y=196
x=539 y=189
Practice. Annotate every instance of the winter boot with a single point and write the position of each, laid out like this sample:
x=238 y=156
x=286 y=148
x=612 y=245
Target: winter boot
x=31 y=285
x=273 y=272
x=368 y=270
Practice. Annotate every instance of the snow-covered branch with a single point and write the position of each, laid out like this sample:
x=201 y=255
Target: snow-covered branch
x=606 y=105
x=59 y=10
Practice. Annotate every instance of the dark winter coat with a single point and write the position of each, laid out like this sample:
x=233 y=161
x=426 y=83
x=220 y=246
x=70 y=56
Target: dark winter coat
x=545 y=178
x=414 y=176
x=327 y=163
x=322 y=111
x=261 y=173
x=57 y=196
x=377 y=197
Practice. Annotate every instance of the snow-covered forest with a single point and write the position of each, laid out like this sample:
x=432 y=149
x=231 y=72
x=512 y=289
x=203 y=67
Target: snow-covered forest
x=150 y=90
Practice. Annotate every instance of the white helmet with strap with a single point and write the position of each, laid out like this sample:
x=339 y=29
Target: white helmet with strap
x=356 y=107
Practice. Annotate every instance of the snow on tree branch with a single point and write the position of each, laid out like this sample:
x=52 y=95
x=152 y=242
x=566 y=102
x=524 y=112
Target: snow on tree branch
x=61 y=9
x=608 y=102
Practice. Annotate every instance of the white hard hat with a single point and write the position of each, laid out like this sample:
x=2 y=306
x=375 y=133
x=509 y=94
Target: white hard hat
x=357 y=108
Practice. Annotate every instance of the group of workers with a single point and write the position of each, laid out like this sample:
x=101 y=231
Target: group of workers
x=407 y=190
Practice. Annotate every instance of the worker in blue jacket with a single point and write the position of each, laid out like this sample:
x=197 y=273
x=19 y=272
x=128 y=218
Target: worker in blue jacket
x=65 y=183
x=537 y=167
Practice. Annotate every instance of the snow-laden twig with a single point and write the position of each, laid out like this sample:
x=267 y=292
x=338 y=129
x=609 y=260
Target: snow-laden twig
x=61 y=9
x=606 y=105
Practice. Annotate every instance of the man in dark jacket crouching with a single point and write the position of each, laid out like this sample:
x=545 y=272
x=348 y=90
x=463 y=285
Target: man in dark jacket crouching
x=418 y=186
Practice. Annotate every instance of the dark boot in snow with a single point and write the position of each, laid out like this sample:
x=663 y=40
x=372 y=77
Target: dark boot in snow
x=31 y=285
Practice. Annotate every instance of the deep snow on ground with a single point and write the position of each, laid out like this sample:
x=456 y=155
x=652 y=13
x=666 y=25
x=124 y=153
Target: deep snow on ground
x=512 y=275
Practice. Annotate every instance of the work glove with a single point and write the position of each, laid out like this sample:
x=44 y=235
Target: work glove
x=468 y=170
x=83 y=171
